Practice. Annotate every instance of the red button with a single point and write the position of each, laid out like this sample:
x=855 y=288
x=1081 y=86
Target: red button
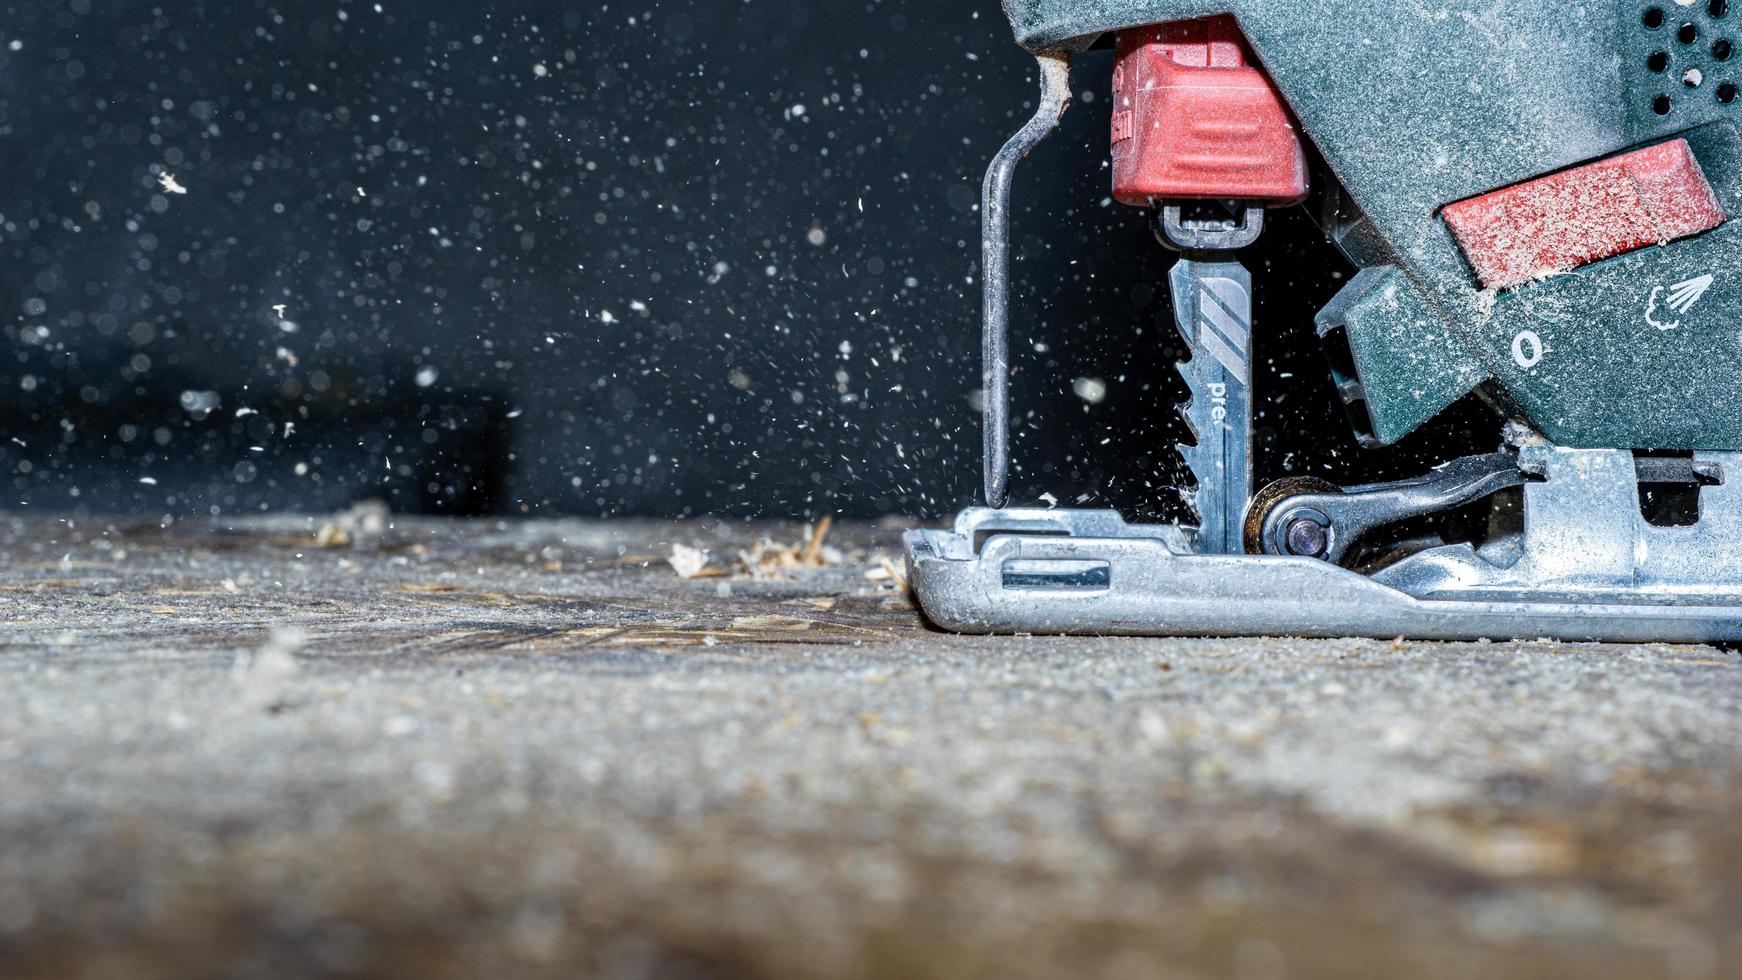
x=1596 y=211
x=1195 y=117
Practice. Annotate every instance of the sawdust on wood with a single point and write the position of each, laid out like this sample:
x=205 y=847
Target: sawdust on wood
x=331 y=536
x=886 y=570
x=770 y=560
x=690 y=562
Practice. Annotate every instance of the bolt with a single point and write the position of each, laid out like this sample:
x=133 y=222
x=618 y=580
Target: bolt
x=1306 y=537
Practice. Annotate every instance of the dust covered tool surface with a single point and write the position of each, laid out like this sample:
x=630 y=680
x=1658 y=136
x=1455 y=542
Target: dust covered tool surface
x=1528 y=227
x=532 y=749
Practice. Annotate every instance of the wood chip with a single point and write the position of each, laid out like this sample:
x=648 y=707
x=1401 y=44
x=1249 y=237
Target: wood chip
x=813 y=550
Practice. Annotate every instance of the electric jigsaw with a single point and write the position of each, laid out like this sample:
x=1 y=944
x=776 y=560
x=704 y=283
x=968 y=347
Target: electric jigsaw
x=1538 y=199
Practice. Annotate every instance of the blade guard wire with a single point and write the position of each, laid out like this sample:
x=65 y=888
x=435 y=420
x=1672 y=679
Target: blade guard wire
x=1055 y=96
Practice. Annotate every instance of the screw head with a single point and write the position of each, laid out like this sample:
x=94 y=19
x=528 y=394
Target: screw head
x=1306 y=537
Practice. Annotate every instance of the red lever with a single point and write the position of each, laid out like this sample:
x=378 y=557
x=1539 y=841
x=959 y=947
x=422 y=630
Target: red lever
x=1596 y=211
x=1195 y=117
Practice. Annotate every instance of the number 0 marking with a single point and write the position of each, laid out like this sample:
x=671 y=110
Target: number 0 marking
x=1527 y=349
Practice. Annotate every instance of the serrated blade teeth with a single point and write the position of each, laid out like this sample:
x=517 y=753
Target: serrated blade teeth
x=1191 y=427
x=1185 y=408
x=1213 y=310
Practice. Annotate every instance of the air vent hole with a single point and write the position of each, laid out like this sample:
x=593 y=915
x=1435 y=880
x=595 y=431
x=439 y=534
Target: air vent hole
x=1688 y=34
x=1653 y=18
x=1693 y=77
x=1661 y=105
x=1722 y=50
x=1658 y=62
x=1718 y=8
x=1727 y=93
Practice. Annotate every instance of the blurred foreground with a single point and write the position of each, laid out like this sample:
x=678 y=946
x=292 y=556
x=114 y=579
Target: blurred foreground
x=338 y=747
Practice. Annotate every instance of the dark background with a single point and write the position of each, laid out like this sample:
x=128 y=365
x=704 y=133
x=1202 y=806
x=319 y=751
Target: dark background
x=658 y=258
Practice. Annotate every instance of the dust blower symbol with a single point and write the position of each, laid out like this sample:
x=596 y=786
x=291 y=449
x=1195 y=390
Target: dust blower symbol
x=1683 y=296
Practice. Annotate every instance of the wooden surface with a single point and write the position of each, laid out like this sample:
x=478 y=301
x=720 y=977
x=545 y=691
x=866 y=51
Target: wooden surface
x=311 y=747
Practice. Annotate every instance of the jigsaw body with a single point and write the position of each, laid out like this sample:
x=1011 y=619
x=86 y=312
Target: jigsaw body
x=1539 y=198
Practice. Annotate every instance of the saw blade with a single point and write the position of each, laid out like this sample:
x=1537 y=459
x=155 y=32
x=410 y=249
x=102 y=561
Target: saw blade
x=1212 y=304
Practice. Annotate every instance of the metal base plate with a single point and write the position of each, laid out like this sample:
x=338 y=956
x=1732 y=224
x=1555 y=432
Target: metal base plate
x=1089 y=572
